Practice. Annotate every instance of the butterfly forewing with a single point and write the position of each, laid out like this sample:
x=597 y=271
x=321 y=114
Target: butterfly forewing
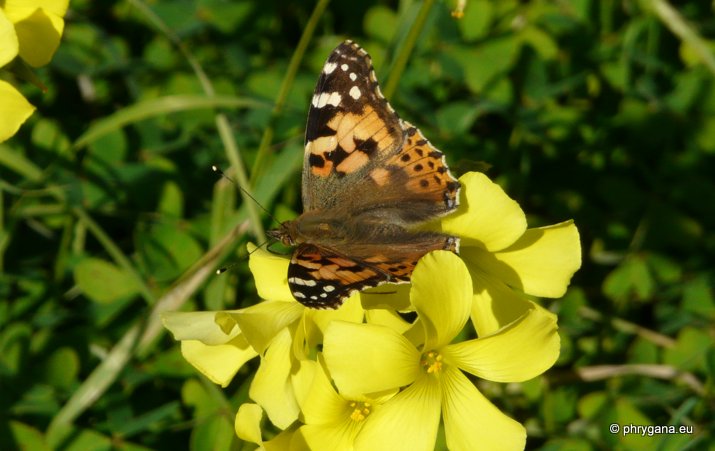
x=350 y=127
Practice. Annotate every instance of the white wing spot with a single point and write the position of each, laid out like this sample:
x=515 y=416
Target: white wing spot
x=298 y=294
x=304 y=282
x=329 y=68
x=344 y=67
x=315 y=298
x=329 y=288
x=326 y=98
x=323 y=295
x=353 y=77
x=355 y=92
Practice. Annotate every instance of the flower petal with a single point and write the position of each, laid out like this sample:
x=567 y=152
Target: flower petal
x=408 y=421
x=471 y=421
x=387 y=318
x=494 y=304
x=270 y=272
x=248 y=423
x=287 y=439
x=540 y=263
x=351 y=311
x=39 y=36
x=309 y=334
x=14 y=110
x=219 y=363
x=260 y=323
x=9 y=46
x=330 y=436
x=271 y=387
x=522 y=350
x=366 y=358
x=442 y=295
x=486 y=215
x=19 y=9
x=390 y=296
x=210 y=328
x=322 y=404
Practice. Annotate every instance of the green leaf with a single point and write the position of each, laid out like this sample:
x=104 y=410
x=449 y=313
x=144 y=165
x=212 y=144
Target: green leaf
x=690 y=350
x=558 y=406
x=628 y=414
x=86 y=439
x=225 y=16
x=17 y=162
x=167 y=250
x=22 y=436
x=159 y=107
x=544 y=44
x=630 y=278
x=380 y=23
x=104 y=282
x=14 y=344
x=665 y=269
x=62 y=368
x=171 y=200
x=477 y=20
x=457 y=117
x=216 y=432
x=592 y=404
x=109 y=150
x=486 y=62
x=698 y=297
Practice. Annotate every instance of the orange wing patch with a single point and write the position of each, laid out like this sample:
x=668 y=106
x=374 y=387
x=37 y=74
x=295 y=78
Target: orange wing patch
x=357 y=136
x=425 y=167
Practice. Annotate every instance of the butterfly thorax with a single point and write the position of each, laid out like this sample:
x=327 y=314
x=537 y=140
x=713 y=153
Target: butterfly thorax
x=309 y=228
x=334 y=231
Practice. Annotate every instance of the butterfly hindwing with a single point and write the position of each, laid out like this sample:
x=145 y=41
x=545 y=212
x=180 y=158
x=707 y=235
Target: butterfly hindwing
x=319 y=278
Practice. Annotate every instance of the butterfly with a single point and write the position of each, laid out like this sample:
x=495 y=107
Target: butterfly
x=369 y=179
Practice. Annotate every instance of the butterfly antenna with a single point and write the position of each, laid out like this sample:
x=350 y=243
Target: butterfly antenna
x=223 y=174
x=226 y=268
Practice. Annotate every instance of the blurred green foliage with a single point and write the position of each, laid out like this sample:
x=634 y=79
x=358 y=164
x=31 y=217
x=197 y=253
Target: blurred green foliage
x=600 y=111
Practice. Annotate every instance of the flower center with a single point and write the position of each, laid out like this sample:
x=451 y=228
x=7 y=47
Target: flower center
x=432 y=362
x=360 y=410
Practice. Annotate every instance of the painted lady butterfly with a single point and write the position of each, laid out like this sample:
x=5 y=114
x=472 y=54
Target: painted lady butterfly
x=369 y=178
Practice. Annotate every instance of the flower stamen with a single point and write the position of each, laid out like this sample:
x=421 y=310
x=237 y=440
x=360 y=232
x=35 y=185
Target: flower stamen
x=432 y=362
x=361 y=410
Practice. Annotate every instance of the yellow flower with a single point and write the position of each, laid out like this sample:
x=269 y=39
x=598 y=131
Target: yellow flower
x=210 y=341
x=30 y=29
x=248 y=428
x=14 y=110
x=367 y=359
x=332 y=420
x=38 y=26
x=505 y=259
x=280 y=330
